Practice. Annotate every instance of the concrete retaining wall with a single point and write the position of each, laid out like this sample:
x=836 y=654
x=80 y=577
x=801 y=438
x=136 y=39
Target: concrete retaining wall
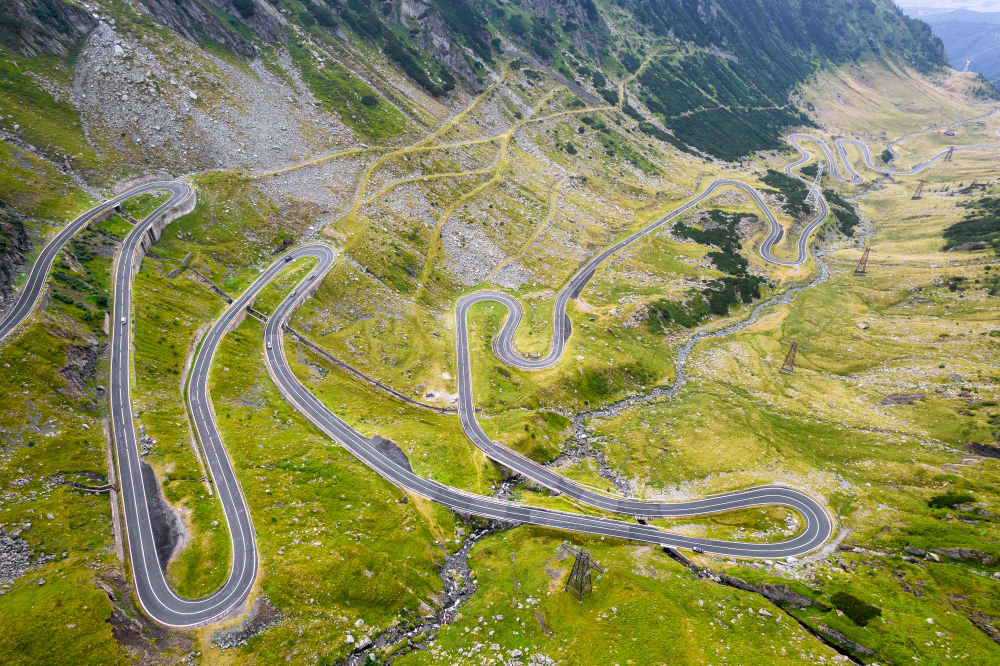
x=139 y=180
x=237 y=320
x=183 y=208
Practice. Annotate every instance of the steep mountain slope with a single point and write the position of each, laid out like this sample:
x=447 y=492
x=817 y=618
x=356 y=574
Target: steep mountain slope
x=972 y=39
x=731 y=97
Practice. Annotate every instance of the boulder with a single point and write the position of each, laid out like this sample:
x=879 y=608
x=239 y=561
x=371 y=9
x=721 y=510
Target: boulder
x=959 y=553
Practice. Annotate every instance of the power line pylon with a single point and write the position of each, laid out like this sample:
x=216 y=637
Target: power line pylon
x=920 y=189
x=788 y=367
x=580 y=577
x=862 y=268
x=951 y=151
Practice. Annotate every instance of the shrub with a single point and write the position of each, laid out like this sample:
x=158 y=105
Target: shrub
x=981 y=224
x=631 y=112
x=794 y=191
x=717 y=303
x=610 y=96
x=629 y=61
x=369 y=100
x=517 y=25
x=860 y=612
x=949 y=500
x=322 y=15
x=246 y=8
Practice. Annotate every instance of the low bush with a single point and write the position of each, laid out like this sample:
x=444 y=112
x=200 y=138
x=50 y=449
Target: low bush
x=860 y=612
x=950 y=500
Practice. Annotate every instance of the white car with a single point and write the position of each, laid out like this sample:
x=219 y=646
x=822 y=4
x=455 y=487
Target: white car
x=123 y=321
x=268 y=345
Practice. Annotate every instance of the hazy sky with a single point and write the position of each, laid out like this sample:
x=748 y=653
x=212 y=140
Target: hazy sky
x=976 y=5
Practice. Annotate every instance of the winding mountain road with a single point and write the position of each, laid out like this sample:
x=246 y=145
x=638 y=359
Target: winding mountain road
x=162 y=604
x=818 y=527
x=853 y=176
x=156 y=597
x=32 y=289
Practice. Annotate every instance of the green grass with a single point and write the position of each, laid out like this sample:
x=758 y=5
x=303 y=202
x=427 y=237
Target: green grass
x=53 y=126
x=62 y=620
x=758 y=525
x=329 y=529
x=114 y=226
x=435 y=444
x=231 y=206
x=53 y=429
x=144 y=204
x=646 y=609
x=601 y=365
x=271 y=295
x=37 y=189
x=341 y=93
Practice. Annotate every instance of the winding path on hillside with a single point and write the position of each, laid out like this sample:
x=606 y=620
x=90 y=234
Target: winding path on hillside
x=32 y=290
x=853 y=176
x=155 y=595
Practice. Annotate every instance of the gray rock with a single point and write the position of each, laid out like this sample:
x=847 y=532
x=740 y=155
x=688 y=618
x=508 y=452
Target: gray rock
x=771 y=592
x=960 y=553
x=262 y=616
x=837 y=637
x=56 y=35
x=968 y=247
x=902 y=398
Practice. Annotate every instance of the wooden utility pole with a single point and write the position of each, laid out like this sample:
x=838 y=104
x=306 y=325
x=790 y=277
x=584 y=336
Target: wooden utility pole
x=920 y=189
x=862 y=268
x=788 y=367
x=580 y=577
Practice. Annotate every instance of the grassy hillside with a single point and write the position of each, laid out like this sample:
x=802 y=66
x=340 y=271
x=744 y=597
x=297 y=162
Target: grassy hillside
x=438 y=146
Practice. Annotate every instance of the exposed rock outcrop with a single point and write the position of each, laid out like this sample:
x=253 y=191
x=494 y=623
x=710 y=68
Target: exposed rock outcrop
x=144 y=640
x=195 y=22
x=16 y=556
x=840 y=638
x=965 y=554
x=80 y=368
x=262 y=616
x=433 y=36
x=49 y=27
x=902 y=398
x=776 y=593
x=14 y=245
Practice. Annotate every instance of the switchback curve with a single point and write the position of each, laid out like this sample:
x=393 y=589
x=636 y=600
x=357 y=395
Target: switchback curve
x=818 y=527
x=164 y=606
x=32 y=289
x=853 y=176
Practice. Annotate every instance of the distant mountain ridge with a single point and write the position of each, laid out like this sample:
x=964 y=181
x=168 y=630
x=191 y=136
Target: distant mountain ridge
x=719 y=75
x=969 y=37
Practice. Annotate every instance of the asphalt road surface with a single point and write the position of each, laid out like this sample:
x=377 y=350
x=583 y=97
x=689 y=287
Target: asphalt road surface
x=43 y=263
x=818 y=527
x=155 y=595
x=853 y=176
